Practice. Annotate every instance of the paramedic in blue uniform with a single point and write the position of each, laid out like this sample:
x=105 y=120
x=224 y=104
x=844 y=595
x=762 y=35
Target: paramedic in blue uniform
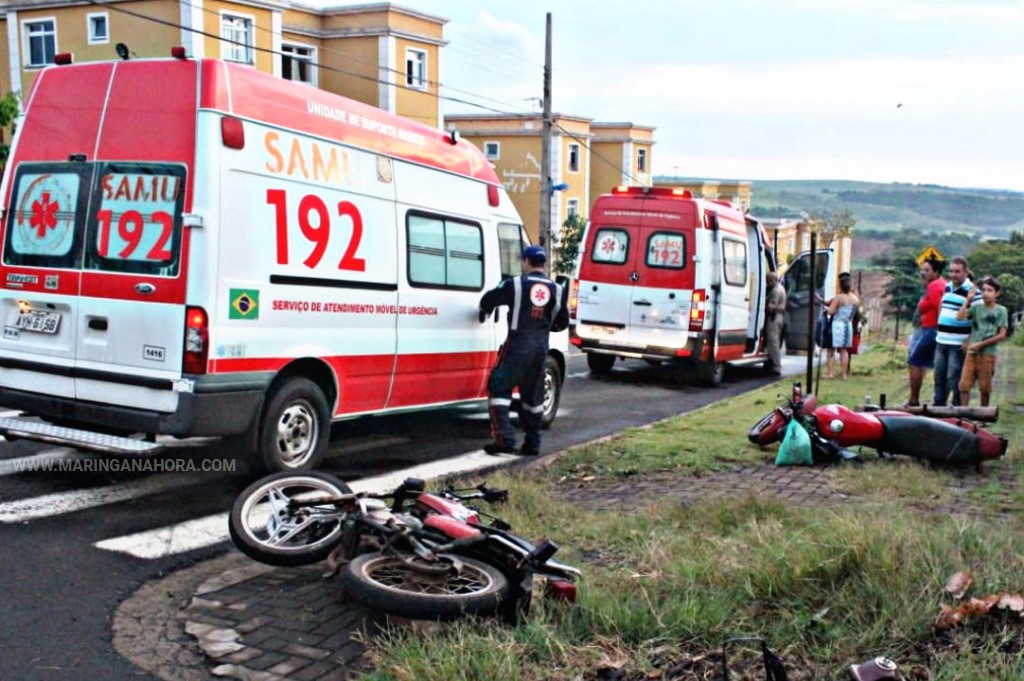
x=534 y=310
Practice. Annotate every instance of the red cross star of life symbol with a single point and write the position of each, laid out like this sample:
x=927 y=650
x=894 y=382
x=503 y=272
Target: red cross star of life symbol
x=539 y=295
x=44 y=215
x=609 y=245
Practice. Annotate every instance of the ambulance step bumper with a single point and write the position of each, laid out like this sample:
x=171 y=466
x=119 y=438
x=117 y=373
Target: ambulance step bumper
x=37 y=431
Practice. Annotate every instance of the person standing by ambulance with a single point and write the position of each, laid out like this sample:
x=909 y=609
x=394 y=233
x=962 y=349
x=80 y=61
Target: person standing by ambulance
x=775 y=310
x=535 y=309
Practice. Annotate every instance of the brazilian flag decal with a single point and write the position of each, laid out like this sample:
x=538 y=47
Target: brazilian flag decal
x=245 y=304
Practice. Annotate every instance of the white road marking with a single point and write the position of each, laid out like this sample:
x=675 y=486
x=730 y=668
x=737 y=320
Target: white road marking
x=68 y=502
x=25 y=464
x=213 y=529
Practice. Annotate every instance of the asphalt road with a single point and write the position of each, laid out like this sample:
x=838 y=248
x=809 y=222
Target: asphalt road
x=59 y=590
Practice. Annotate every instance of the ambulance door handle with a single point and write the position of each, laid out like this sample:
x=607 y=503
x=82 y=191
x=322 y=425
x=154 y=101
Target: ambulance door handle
x=98 y=324
x=145 y=288
x=643 y=303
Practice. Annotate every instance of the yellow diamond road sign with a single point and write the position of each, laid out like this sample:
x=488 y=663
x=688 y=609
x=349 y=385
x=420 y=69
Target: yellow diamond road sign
x=930 y=252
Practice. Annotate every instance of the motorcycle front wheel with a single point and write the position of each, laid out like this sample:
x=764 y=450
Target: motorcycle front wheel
x=418 y=589
x=772 y=428
x=264 y=528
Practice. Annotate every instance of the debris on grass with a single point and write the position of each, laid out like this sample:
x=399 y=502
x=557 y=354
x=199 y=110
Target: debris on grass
x=1004 y=602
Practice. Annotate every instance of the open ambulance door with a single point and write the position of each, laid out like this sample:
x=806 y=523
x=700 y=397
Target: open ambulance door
x=802 y=308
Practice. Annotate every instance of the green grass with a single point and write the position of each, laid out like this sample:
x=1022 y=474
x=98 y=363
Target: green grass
x=666 y=584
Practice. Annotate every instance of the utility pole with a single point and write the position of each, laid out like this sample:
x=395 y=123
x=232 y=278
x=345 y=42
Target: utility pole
x=545 y=151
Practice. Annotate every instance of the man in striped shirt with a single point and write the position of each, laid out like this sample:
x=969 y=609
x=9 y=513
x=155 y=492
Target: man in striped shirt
x=952 y=332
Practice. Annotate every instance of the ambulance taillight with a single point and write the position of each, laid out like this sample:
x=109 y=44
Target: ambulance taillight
x=698 y=303
x=574 y=298
x=197 y=341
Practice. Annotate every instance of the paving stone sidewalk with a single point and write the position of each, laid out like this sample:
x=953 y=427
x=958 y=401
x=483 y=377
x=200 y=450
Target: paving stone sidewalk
x=263 y=624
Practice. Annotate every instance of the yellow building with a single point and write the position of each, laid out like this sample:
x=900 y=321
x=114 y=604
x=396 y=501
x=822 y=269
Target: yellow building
x=620 y=154
x=586 y=157
x=380 y=54
x=736 y=193
x=790 y=237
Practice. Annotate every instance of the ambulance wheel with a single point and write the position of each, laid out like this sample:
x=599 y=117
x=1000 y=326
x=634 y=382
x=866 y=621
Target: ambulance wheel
x=294 y=428
x=600 y=364
x=552 y=391
x=710 y=373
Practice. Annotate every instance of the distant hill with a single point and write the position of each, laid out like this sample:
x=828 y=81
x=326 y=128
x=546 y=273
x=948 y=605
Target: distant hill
x=892 y=207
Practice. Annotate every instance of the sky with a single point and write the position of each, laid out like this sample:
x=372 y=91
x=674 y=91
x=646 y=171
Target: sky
x=918 y=91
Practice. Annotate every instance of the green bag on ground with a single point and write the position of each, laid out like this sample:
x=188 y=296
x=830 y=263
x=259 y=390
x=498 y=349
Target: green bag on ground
x=795 y=449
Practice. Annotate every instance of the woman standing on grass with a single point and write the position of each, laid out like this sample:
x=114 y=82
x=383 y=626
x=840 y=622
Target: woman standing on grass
x=842 y=309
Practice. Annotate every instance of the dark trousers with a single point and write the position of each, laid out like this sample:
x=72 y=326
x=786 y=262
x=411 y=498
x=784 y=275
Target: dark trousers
x=520 y=363
x=949 y=363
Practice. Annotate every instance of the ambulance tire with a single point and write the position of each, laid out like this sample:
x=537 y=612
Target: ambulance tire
x=600 y=364
x=710 y=373
x=294 y=428
x=552 y=392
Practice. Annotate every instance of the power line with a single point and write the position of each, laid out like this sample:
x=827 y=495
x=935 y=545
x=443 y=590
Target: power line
x=374 y=65
x=164 y=22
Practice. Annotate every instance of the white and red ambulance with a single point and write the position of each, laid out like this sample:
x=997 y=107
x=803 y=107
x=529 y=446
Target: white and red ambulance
x=668 y=278
x=196 y=248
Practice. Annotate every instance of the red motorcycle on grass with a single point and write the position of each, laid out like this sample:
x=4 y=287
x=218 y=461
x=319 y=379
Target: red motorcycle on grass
x=834 y=428
x=408 y=553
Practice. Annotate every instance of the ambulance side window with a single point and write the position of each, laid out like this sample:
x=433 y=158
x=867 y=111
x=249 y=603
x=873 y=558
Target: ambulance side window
x=444 y=253
x=734 y=257
x=510 y=249
x=135 y=218
x=611 y=246
x=46 y=215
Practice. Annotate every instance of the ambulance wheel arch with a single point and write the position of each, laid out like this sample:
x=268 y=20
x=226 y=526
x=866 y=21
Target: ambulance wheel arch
x=295 y=423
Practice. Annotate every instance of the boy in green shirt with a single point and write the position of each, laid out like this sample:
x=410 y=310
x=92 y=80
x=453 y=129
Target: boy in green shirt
x=989 y=322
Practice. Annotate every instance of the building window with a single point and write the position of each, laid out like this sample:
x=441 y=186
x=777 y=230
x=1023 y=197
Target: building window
x=40 y=41
x=492 y=150
x=572 y=207
x=574 y=158
x=444 y=253
x=237 y=34
x=416 y=69
x=641 y=160
x=297 y=63
x=99 y=29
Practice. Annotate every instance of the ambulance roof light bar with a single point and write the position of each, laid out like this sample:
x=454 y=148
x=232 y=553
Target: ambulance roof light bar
x=178 y=52
x=63 y=58
x=636 y=190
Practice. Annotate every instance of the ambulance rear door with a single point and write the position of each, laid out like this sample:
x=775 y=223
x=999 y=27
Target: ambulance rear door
x=606 y=279
x=660 y=305
x=41 y=255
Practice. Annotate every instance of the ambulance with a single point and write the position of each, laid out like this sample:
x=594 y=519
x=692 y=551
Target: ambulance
x=671 y=280
x=195 y=248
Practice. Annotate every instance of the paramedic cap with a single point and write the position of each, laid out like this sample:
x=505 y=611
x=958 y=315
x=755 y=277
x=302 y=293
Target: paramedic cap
x=535 y=254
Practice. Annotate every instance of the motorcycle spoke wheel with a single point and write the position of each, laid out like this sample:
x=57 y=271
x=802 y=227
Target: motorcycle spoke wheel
x=264 y=528
x=409 y=586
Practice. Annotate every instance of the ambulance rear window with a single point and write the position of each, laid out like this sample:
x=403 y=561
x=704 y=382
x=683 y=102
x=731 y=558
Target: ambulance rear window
x=666 y=250
x=610 y=246
x=135 y=218
x=47 y=210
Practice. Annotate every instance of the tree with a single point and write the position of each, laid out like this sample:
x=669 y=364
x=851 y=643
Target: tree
x=832 y=226
x=904 y=287
x=567 y=244
x=10 y=107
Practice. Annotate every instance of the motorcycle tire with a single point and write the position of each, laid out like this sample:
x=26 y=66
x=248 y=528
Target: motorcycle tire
x=388 y=584
x=250 y=519
x=772 y=428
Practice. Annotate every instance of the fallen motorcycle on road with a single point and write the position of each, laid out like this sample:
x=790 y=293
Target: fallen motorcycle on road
x=408 y=553
x=834 y=428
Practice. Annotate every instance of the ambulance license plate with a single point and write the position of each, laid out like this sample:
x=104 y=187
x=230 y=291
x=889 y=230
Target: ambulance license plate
x=603 y=330
x=39 y=321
